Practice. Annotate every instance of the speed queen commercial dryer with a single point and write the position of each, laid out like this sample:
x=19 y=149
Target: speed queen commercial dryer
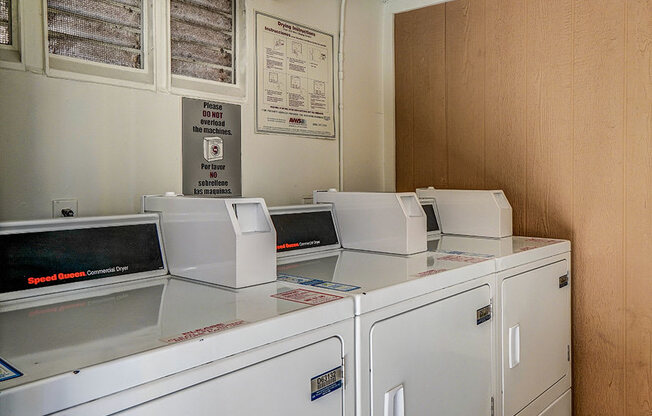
x=423 y=322
x=91 y=323
x=532 y=302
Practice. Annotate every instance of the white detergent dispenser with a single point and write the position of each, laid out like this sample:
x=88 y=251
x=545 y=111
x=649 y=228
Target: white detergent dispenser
x=472 y=212
x=229 y=242
x=391 y=223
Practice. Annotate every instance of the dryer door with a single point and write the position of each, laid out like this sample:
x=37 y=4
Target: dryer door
x=289 y=384
x=435 y=359
x=535 y=334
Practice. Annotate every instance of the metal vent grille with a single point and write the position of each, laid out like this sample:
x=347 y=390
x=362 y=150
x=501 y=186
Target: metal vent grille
x=202 y=39
x=105 y=31
x=5 y=22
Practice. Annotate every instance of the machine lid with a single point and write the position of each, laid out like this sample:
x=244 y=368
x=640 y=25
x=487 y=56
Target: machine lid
x=303 y=229
x=145 y=330
x=508 y=252
x=47 y=256
x=379 y=280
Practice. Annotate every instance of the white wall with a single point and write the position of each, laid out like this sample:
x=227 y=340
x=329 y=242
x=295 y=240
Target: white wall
x=107 y=145
x=363 y=97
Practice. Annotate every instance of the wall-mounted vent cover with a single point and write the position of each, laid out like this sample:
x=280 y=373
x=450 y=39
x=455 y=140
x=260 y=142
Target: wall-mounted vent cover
x=108 y=32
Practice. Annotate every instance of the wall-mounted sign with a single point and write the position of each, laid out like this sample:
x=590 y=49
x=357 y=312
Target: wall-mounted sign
x=211 y=148
x=294 y=79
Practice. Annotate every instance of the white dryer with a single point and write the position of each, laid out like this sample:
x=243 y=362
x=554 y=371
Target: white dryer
x=423 y=324
x=533 y=307
x=102 y=328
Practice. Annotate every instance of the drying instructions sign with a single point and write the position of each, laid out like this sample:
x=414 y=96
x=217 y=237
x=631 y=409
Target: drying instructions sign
x=294 y=79
x=211 y=148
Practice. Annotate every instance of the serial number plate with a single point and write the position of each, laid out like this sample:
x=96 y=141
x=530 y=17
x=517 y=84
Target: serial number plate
x=325 y=383
x=483 y=314
x=563 y=281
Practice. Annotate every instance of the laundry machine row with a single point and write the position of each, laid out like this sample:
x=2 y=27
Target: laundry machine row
x=406 y=323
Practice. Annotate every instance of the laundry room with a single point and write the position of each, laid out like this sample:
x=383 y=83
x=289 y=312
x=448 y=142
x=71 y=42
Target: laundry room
x=351 y=207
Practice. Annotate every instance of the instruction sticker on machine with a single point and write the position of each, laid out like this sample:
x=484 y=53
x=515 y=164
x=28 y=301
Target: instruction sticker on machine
x=326 y=383
x=307 y=297
x=294 y=79
x=342 y=287
x=211 y=148
x=7 y=372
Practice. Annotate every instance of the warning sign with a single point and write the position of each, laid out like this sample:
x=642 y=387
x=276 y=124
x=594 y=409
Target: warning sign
x=430 y=272
x=464 y=259
x=308 y=297
x=200 y=332
x=211 y=148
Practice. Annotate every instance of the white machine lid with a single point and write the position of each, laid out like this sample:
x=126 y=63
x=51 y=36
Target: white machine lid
x=146 y=329
x=378 y=280
x=508 y=252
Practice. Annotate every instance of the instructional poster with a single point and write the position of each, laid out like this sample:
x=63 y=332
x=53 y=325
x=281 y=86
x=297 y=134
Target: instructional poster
x=294 y=79
x=211 y=148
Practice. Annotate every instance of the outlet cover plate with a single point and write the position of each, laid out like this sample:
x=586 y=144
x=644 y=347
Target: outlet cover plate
x=59 y=205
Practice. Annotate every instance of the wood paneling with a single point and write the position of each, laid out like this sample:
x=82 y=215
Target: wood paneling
x=465 y=70
x=551 y=100
x=638 y=220
x=422 y=65
x=505 y=144
x=429 y=97
x=598 y=100
x=549 y=159
x=404 y=106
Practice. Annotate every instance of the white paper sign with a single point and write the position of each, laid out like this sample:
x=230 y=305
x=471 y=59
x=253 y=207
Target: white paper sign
x=294 y=79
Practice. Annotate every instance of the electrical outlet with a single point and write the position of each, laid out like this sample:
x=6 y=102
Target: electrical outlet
x=64 y=208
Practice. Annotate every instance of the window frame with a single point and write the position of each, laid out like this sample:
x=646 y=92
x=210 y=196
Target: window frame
x=66 y=67
x=202 y=88
x=10 y=55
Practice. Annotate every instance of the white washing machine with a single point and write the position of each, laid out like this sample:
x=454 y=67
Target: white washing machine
x=423 y=327
x=101 y=328
x=533 y=307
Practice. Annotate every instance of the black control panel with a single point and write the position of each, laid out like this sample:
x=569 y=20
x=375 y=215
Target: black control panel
x=48 y=258
x=296 y=231
x=431 y=218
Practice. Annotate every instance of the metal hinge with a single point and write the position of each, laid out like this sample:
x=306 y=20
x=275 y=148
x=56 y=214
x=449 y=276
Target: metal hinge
x=492 y=405
x=568 y=352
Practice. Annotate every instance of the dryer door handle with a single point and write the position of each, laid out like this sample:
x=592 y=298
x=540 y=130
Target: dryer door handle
x=514 y=345
x=395 y=402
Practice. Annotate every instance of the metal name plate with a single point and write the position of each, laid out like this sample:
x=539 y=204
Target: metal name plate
x=326 y=383
x=563 y=281
x=483 y=314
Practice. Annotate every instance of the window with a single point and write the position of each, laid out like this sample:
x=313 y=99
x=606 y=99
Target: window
x=5 y=22
x=98 y=31
x=202 y=40
x=99 y=40
x=10 y=39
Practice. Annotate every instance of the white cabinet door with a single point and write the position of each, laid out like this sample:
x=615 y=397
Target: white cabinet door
x=535 y=334
x=434 y=360
x=280 y=386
